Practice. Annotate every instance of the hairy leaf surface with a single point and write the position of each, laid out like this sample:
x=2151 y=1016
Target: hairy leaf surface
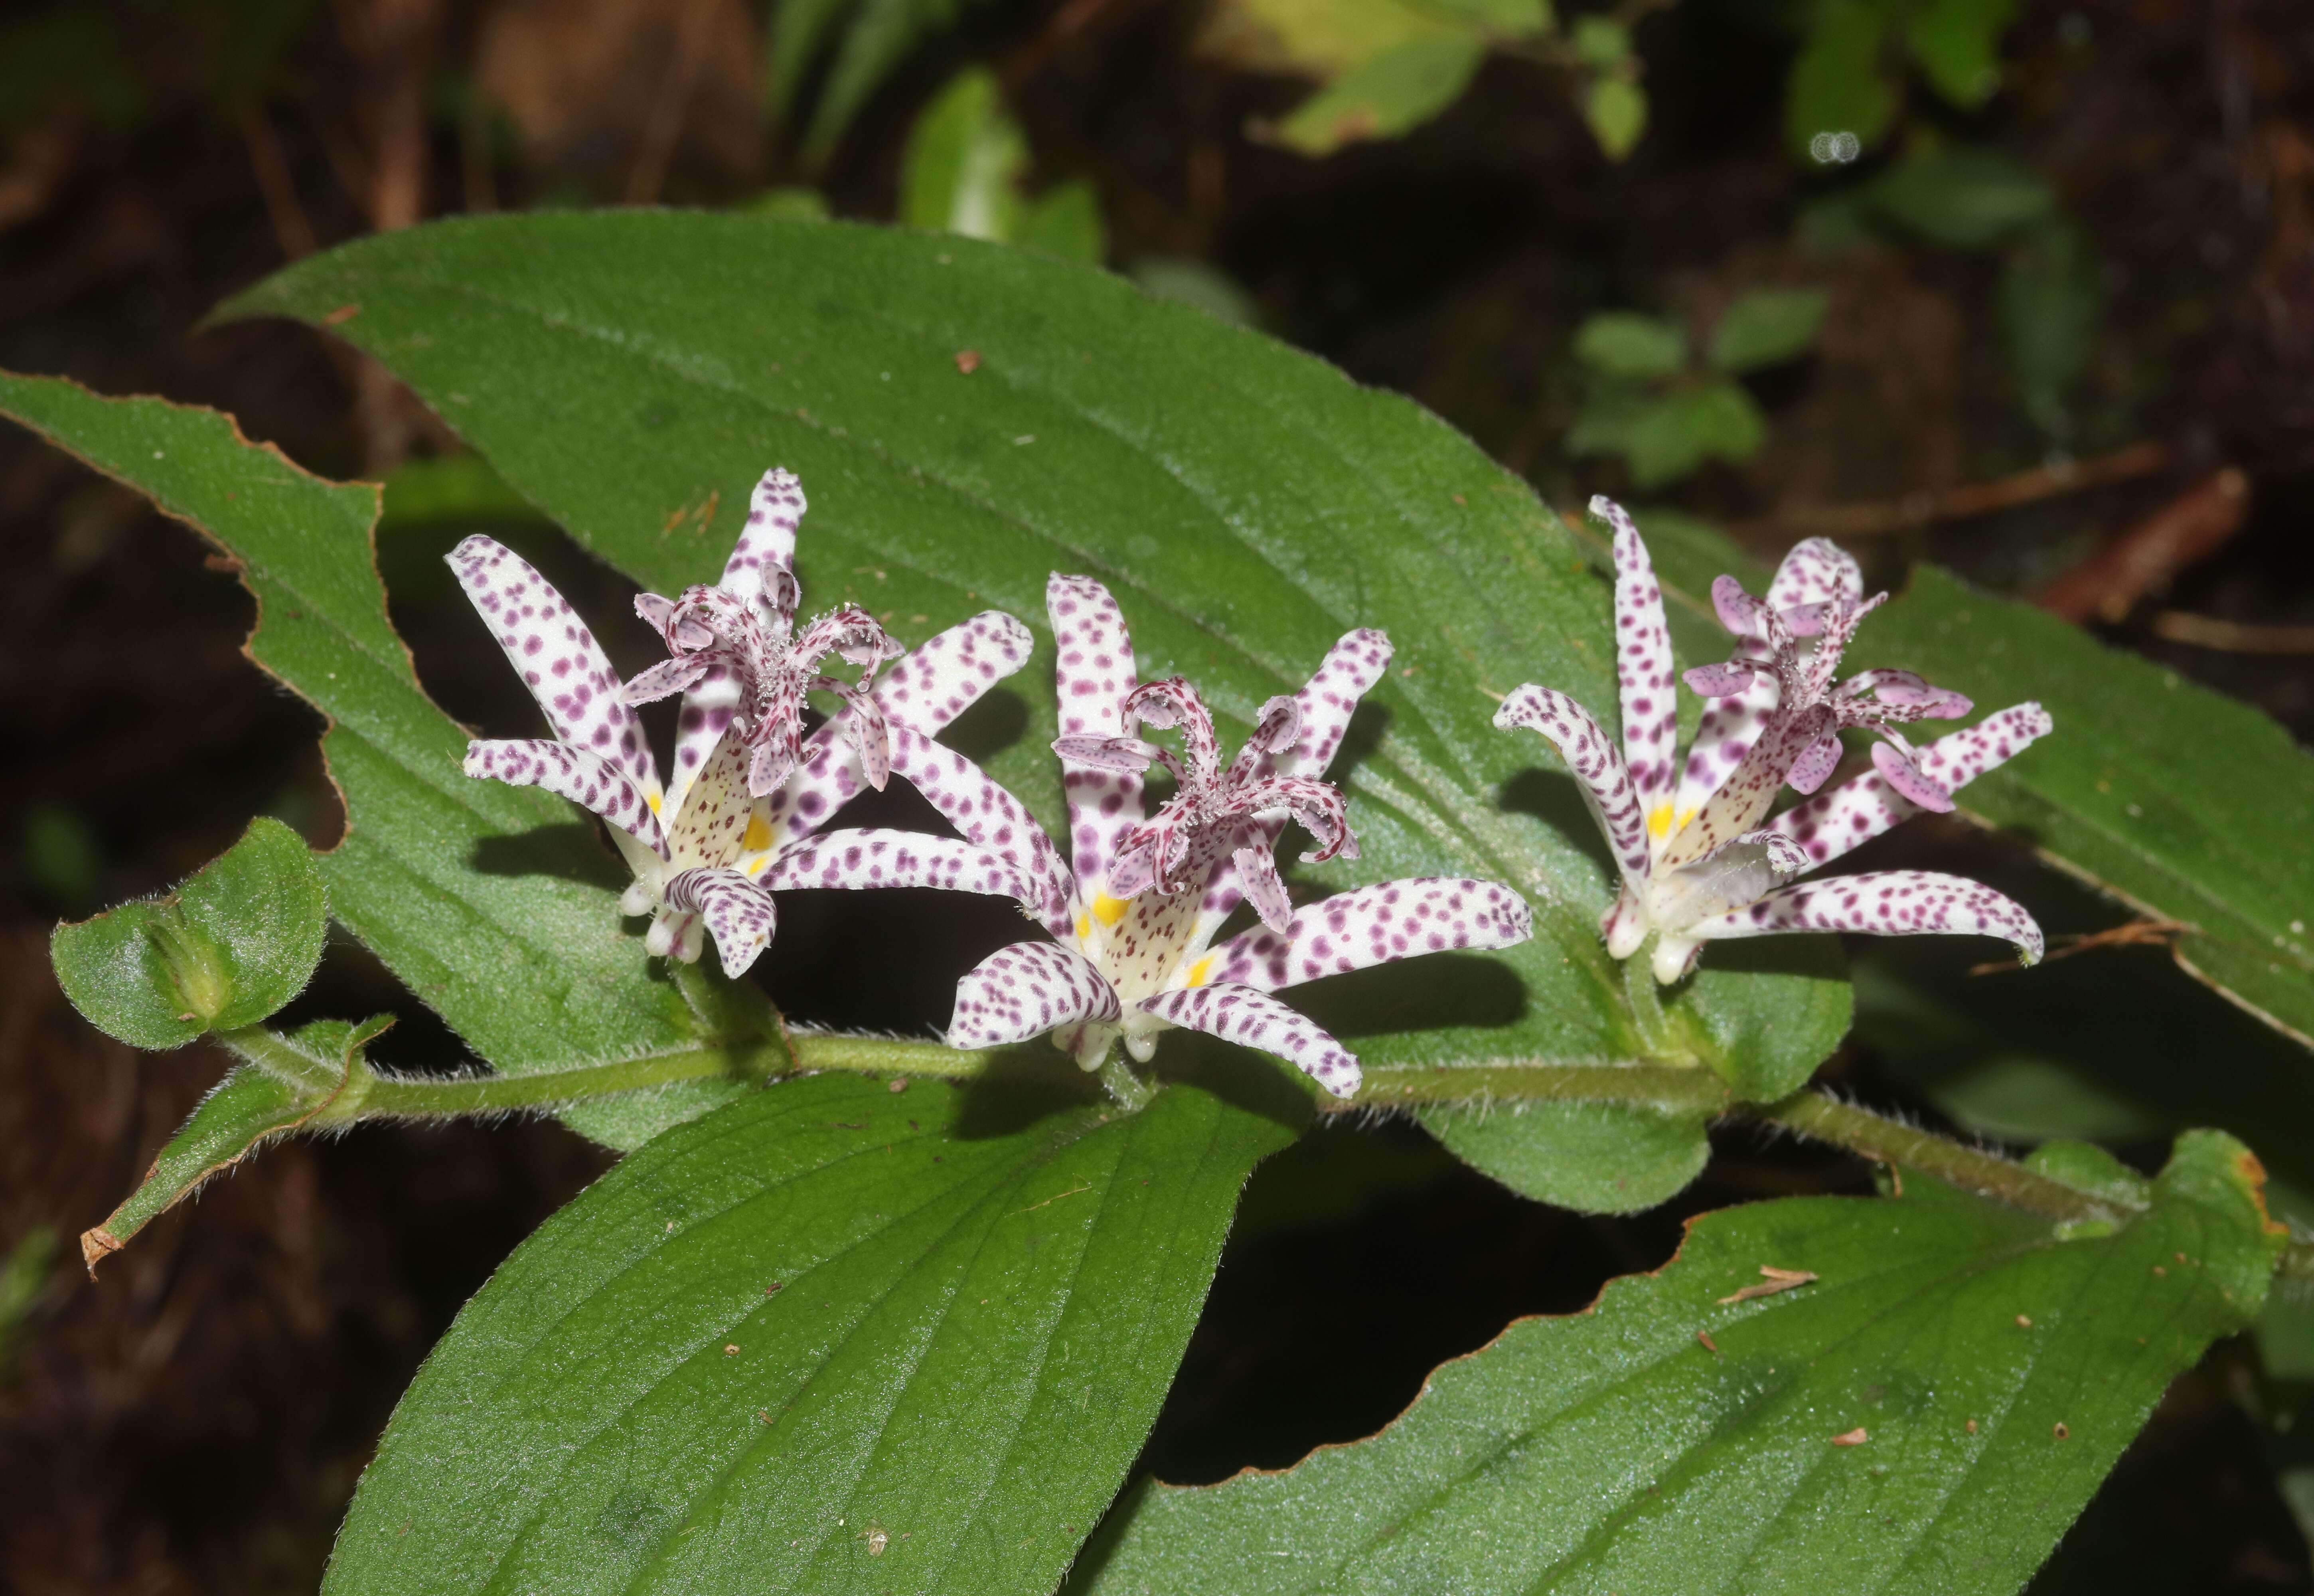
x=825 y=1339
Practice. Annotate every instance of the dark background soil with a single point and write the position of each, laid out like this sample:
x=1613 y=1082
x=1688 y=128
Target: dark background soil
x=196 y=1420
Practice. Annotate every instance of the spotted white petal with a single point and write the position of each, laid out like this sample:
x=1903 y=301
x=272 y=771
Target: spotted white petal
x=1026 y=990
x=587 y=779
x=1093 y=673
x=873 y=857
x=1888 y=903
x=557 y=656
x=1600 y=774
x=925 y=690
x=1375 y=925
x=762 y=567
x=1645 y=670
x=989 y=816
x=1814 y=573
x=1856 y=812
x=1252 y=1017
x=739 y=914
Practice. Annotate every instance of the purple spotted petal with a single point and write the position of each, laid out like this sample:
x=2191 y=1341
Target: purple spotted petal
x=1645 y=672
x=559 y=661
x=989 y=817
x=1092 y=673
x=1743 y=800
x=1329 y=698
x=706 y=713
x=872 y=857
x=664 y=679
x=1599 y=771
x=1253 y=1019
x=1323 y=711
x=587 y=779
x=1109 y=753
x=739 y=914
x=1255 y=876
x=1723 y=737
x=1026 y=990
x=1739 y=611
x=710 y=828
x=1856 y=812
x=1373 y=925
x=1888 y=903
x=1816 y=762
x=925 y=690
x=1898 y=769
x=1813 y=574
x=762 y=567
x=1724 y=680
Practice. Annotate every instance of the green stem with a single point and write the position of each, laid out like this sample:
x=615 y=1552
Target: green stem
x=1668 y=1087
x=1646 y=1002
x=363 y=1093
x=1127 y=1087
x=1892 y=1142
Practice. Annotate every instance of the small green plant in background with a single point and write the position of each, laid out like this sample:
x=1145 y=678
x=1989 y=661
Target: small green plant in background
x=967 y=163
x=1648 y=398
x=1848 y=82
x=1384 y=67
x=1972 y=199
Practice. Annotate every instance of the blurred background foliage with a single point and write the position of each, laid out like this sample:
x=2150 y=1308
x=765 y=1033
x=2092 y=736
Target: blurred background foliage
x=2023 y=286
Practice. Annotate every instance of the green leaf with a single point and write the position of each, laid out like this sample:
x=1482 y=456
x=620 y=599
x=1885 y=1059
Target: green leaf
x=1065 y=220
x=1626 y=344
x=2050 y=294
x=1195 y=283
x=225 y=949
x=1393 y=94
x=1837 y=84
x=1247 y=504
x=287 y=1081
x=1767 y=327
x=1594 y=1157
x=1616 y=109
x=825 y=1339
x=966 y=158
x=1958 y=44
x=1947 y=1341
x=2170 y=798
x=870 y=39
x=1963 y=197
x=1600 y=42
x=791 y=204
x=1666 y=438
x=24 y=1274
x=497 y=905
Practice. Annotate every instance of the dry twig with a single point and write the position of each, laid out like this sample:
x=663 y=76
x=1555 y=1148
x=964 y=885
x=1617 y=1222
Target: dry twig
x=2147 y=557
x=1956 y=504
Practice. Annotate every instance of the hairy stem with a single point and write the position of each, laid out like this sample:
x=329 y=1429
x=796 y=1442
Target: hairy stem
x=361 y=1093
x=1889 y=1142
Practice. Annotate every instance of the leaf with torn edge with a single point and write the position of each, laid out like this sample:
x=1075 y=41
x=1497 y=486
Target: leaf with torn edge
x=1627 y=1454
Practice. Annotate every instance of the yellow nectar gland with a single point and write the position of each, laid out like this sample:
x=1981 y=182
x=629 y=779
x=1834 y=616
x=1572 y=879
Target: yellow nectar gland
x=1108 y=910
x=1202 y=970
x=759 y=836
x=1662 y=821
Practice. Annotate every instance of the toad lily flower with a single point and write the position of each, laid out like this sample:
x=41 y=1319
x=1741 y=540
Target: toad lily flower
x=1135 y=918
x=706 y=849
x=1697 y=862
x=736 y=649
